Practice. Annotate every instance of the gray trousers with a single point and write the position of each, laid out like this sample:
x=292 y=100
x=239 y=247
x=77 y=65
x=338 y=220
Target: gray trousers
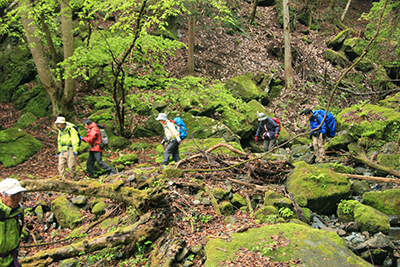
x=95 y=156
x=172 y=149
x=268 y=144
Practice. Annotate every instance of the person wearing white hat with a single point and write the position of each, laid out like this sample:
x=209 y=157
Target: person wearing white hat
x=11 y=221
x=172 y=138
x=68 y=144
x=268 y=129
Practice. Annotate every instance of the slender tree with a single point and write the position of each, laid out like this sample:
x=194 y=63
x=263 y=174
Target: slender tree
x=288 y=49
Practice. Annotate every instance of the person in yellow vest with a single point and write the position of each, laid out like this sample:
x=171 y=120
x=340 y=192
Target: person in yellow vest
x=11 y=221
x=68 y=144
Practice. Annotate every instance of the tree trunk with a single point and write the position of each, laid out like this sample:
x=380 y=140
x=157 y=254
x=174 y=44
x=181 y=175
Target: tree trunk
x=150 y=226
x=345 y=10
x=191 y=40
x=253 y=12
x=66 y=106
x=288 y=49
x=37 y=50
x=332 y=4
x=138 y=199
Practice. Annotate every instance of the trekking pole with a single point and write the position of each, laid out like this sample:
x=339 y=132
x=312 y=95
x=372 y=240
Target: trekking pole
x=87 y=174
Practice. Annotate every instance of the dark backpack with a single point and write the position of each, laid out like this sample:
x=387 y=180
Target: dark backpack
x=277 y=121
x=103 y=137
x=182 y=130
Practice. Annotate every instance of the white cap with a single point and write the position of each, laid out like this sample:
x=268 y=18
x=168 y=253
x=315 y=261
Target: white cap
x=11 y=186
x=261 y=116
x=60 y=120
x=162 y=117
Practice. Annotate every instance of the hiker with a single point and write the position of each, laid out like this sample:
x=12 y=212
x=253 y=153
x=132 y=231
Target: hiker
x=269 y=130
x=68 y=144
x=172 y=139
x=328 y=129
x=11 y=221
x=95 y=152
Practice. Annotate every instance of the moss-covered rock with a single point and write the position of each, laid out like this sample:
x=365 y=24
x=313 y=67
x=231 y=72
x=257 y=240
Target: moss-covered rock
x=336 y=58
x=388 y=160
x=301 y=141
x=99 y=208
x=365 y=65
x=271 y=198
x=127 y=159
x=244 y=88
x=172 y=173
x=311 y=246
x=353 y=47
x=387 y=201
x=238 y=201
x=391 y=102
x=318 y=188
x=370 y=121
x=25 y=120
x=227 y=208
x=188 y=147
x=366 y=217
x=339 y=142
x=16 y=146
x=141 y=131
x=263 y=213
x=219 y=193
x=67 y=215
x=116 y=142
x=337 y=42
x=359 y=187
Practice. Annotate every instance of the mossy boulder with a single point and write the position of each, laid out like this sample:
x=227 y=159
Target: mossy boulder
x=243 y=87
x=365 y=65
x=98 y=103
x=336 y=58
x=238 y=201
x=67 y=215
x=387 y=201
x=271 y=198
x=391 y=102
x=141 y=131
x=389 y=160
x=25 y=120
x=172 y=173
x=370 y=121
x=309 y=245
x=337 y=42
x=301 y=141
x=353 y=47
x=35 y=100
x=219 y=193
x=318 y=188
x=340 y=142
x=237 y=122
x=127 y=159
x=116 y=142
x=226 y=208
x=103 y=116
x=99 y=208
x=366 y=217
x=263 y=213
x=16 y=146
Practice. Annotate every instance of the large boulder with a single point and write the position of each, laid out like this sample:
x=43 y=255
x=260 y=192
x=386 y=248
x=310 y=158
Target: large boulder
x=385 y=201
x=366 y=217
x=66 y=213
x=336 y=58
x=354 y=47
x=295 y=241
x=243 y=87
x=318 y=188
x=16 y=146
x=337 y=41
x=370 y=121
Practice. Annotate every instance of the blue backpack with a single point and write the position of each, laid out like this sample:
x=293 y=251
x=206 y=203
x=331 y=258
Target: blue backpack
x=329 y=122
x=181 y=127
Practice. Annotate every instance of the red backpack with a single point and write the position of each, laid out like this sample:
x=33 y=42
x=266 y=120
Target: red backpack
x=277 y=122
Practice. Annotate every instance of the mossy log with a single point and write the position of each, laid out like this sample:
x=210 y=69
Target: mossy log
x=358 y=154
x=150 y=226
x=165 y=254
x=141 y=200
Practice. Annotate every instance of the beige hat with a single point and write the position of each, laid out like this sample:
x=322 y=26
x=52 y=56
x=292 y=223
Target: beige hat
x=11 y=186
x=261 y=116
x=60 y=120
x=162 y=117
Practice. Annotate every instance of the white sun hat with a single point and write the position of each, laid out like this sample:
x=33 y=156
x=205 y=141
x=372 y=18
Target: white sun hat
x=60 y=120
x=11 y=186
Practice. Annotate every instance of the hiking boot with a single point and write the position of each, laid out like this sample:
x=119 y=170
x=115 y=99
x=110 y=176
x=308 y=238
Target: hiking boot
x=113 y=172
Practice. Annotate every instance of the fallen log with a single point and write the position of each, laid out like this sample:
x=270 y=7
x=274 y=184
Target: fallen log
x=141 y=200
x=150 y=226
x=373 y=179
x=166 y=250
x=358 y=154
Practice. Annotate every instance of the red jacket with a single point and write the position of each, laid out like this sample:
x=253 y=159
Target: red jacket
x=93 y=137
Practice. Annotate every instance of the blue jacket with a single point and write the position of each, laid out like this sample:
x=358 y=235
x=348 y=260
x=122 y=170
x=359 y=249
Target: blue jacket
x=328 y=127
x=270 y=129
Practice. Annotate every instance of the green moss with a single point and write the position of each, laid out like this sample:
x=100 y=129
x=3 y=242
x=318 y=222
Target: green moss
x=335 y=58
x=227 y=208
x=387 y=201
x=127 y=159
x=303 y=242
x=16 y=146
x=25 y=120
x=188 y=147
x=243 y=87
x=263 y=213
x=172 y=173
x=99 y=208
x=67 y=215
x=219 y=193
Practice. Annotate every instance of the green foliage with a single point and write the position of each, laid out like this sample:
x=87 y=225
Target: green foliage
x=339 y=167
x=345 y=207
x=271 y=218
x=286 y=213
x=319 y=178
x=264 y=249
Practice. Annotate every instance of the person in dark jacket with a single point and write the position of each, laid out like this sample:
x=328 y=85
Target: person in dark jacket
x=11 y=221
x=318 y=136
x=269 y=131
x=95 y=152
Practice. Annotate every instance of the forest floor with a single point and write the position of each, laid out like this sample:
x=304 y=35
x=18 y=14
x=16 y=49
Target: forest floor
x=220 y=56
